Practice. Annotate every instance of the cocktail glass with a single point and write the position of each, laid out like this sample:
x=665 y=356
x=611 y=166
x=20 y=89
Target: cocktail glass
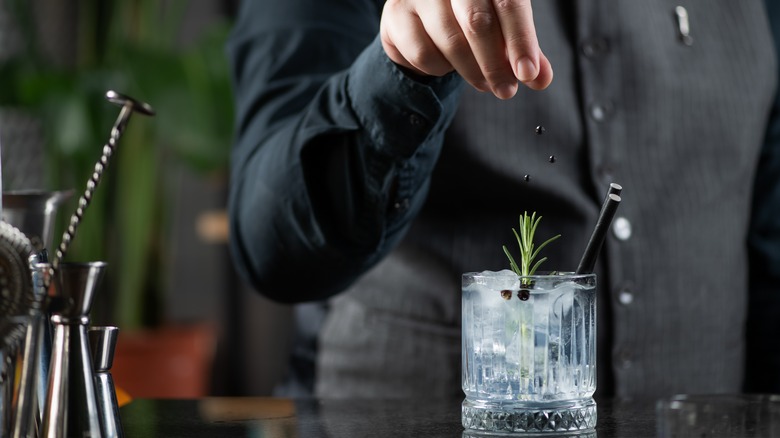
x=529 y=352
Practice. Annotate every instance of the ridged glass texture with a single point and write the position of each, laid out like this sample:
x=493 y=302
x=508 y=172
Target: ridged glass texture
x=529 y=352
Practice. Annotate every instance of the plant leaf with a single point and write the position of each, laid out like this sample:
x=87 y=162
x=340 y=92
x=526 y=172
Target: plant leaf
x=512 y=263
x=543 y=245
x=535 y=223
x=536 y=266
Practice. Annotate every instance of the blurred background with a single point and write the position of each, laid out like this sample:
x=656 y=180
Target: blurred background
x=188 y=326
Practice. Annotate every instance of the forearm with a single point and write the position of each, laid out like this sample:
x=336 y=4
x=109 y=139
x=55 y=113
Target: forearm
x=314 y=189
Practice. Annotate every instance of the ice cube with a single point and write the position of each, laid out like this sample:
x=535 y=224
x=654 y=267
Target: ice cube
x=500 y=280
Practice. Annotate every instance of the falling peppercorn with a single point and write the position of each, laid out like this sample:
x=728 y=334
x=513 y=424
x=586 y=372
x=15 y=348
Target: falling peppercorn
x=539 y=130
x=506 y=294
x=524 y=294
x=527 y=177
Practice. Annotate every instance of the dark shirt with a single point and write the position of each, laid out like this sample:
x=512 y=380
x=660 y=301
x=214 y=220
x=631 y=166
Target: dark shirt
x=329 y=138
x=305 y=114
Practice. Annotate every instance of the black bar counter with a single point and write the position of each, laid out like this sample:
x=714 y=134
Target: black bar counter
x=285 y=418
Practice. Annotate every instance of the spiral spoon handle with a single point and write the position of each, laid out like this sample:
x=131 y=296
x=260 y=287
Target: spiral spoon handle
x=129 y=105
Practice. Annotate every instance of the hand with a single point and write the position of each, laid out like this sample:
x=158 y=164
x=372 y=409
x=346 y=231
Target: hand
x=492 y=44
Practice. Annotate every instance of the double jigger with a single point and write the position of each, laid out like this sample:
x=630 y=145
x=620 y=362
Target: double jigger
x=71 y=383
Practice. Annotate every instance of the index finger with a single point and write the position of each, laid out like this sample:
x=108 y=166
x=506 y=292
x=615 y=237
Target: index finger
x=517 y=26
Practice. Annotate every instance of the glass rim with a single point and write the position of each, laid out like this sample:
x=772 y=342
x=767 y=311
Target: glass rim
x=536 y=284
x=546 y=275
x=19 y=198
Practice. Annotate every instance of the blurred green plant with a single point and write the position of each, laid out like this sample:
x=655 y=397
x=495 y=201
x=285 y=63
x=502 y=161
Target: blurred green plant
x=129 y=46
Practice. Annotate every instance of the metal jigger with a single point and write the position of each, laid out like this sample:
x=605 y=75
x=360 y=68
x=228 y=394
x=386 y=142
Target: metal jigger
x=33 y=212
x=102 y=341
x=71 y=405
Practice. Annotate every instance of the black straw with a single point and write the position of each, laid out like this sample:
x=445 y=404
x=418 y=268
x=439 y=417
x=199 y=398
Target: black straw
x=608 y=209
x=614 y=189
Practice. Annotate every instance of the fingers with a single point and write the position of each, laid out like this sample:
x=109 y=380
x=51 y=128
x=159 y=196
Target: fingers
x=445 y=32
x=492 y=44
x=545 y=76
x=481 y=28
x=408 y=44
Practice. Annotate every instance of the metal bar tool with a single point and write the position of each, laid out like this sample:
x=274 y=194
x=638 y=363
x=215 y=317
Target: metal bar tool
x=71 y=407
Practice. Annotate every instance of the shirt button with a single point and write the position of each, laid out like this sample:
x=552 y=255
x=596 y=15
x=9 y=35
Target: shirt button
x=622 y=228
x=594 y=47
x=402 y=204
x=415 y=120
x=625 y=297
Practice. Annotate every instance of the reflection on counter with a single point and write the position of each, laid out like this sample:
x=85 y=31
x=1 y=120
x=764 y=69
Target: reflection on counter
x=315 y=418
x=285 y=418
x=720 y=415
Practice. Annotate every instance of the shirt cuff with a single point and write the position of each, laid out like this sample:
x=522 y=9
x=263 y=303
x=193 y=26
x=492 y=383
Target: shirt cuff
x=398 y=112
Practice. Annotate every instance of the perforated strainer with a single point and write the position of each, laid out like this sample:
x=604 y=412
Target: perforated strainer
x=16 y=291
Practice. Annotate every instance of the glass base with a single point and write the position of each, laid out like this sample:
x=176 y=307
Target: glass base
x=521 y=417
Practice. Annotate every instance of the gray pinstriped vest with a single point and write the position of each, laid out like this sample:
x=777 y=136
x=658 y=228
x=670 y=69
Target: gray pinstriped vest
x=680 y=127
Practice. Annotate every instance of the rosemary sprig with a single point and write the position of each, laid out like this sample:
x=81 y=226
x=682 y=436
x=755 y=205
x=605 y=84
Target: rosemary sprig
x=525 y=239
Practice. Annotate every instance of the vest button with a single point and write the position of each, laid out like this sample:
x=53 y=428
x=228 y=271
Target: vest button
x=624 y=359
x=622 y=228
x=625 y=297
x=599 y=111
x=593 y=47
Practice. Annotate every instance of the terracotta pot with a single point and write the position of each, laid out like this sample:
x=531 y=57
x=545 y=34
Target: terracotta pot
x=165 y=362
